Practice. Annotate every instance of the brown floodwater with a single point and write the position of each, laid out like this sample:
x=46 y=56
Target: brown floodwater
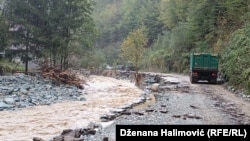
x=149 y=101
x=103 y=94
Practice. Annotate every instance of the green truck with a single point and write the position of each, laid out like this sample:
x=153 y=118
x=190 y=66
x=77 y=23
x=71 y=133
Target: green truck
x=203 y=66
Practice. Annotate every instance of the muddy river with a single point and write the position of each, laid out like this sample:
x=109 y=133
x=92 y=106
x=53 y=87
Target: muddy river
x=102 y=93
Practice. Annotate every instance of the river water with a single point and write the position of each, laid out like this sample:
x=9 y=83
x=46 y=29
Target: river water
x=102 y=94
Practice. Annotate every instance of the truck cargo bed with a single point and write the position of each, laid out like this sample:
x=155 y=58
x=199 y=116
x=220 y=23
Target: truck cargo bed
x=203 y=66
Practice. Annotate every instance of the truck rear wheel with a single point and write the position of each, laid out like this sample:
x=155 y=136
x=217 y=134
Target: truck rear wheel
x=213 y=81
x=192 y=80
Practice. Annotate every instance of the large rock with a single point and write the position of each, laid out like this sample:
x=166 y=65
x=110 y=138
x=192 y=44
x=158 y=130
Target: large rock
x=74 y=135
x=155 y=87
x=4 y=106
x=170 y=80
x=70 y=138
x=38 y=139
x=9 y=100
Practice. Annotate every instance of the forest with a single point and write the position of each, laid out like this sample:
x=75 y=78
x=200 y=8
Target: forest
x=155 y=35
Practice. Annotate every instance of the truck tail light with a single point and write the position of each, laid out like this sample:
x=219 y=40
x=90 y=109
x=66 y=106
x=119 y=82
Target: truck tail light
x=195 y=74
x=214 y=74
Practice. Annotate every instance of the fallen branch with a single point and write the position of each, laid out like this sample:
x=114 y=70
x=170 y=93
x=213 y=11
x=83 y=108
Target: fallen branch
x=66 y=77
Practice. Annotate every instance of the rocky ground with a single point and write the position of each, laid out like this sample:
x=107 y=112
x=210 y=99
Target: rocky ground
x=163 y=99
x=21 y=91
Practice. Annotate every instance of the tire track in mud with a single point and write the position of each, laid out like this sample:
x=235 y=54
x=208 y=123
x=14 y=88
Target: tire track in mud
x=235 y=106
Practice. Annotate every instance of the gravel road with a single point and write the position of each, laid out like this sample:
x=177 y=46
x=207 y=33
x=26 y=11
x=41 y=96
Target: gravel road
x=200 y=104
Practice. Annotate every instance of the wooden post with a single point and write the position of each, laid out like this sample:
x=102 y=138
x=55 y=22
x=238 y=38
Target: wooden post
x=138 y=79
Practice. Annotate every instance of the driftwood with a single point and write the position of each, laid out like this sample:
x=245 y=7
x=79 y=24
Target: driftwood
x=66 y=76
x=139 y=78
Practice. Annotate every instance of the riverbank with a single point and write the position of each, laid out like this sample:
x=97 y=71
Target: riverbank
x=100 y=96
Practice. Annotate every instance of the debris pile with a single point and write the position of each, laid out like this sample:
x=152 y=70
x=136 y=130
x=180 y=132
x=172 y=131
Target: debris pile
x=66 y=76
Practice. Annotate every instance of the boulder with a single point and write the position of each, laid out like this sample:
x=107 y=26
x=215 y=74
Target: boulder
x=155 y=87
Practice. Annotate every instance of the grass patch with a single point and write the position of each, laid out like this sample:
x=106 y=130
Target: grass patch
x=10 y=67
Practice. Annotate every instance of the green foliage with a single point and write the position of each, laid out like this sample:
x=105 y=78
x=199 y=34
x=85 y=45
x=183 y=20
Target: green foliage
x=3 y=33
x=159 y=54
x=138 y=12
x=173 y=12
x=115 y=19
x=233 y=11
x=201 y=21
x=246 y=77
x=9 y=67
x=134 y=45
x=111 y=54
x=236 y=59
x=52 y=27
x=23 y=18
x=97 y=59
x=88 y=59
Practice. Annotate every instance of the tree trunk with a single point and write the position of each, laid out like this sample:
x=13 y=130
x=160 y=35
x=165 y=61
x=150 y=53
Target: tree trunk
x=26 y=58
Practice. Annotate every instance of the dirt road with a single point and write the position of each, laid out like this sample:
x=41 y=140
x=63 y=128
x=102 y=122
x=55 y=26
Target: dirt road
x=201 y=103
x=223 y=102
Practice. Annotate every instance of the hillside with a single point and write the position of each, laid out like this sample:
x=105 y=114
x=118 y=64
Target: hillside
x=175 y=28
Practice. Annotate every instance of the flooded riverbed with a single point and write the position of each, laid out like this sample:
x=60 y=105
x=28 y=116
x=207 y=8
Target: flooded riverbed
x=102 y=94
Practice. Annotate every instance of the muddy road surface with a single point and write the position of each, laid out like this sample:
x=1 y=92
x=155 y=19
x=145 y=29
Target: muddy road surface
x=185 y=104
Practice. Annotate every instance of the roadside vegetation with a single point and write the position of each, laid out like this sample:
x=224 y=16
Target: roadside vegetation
x=10 y=67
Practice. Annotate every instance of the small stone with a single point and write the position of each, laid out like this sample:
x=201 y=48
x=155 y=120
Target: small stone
x=37 y=139
x=105 y=139
x=66 y=131
x=82 y=99
x=59 y=138
x=69 y=138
